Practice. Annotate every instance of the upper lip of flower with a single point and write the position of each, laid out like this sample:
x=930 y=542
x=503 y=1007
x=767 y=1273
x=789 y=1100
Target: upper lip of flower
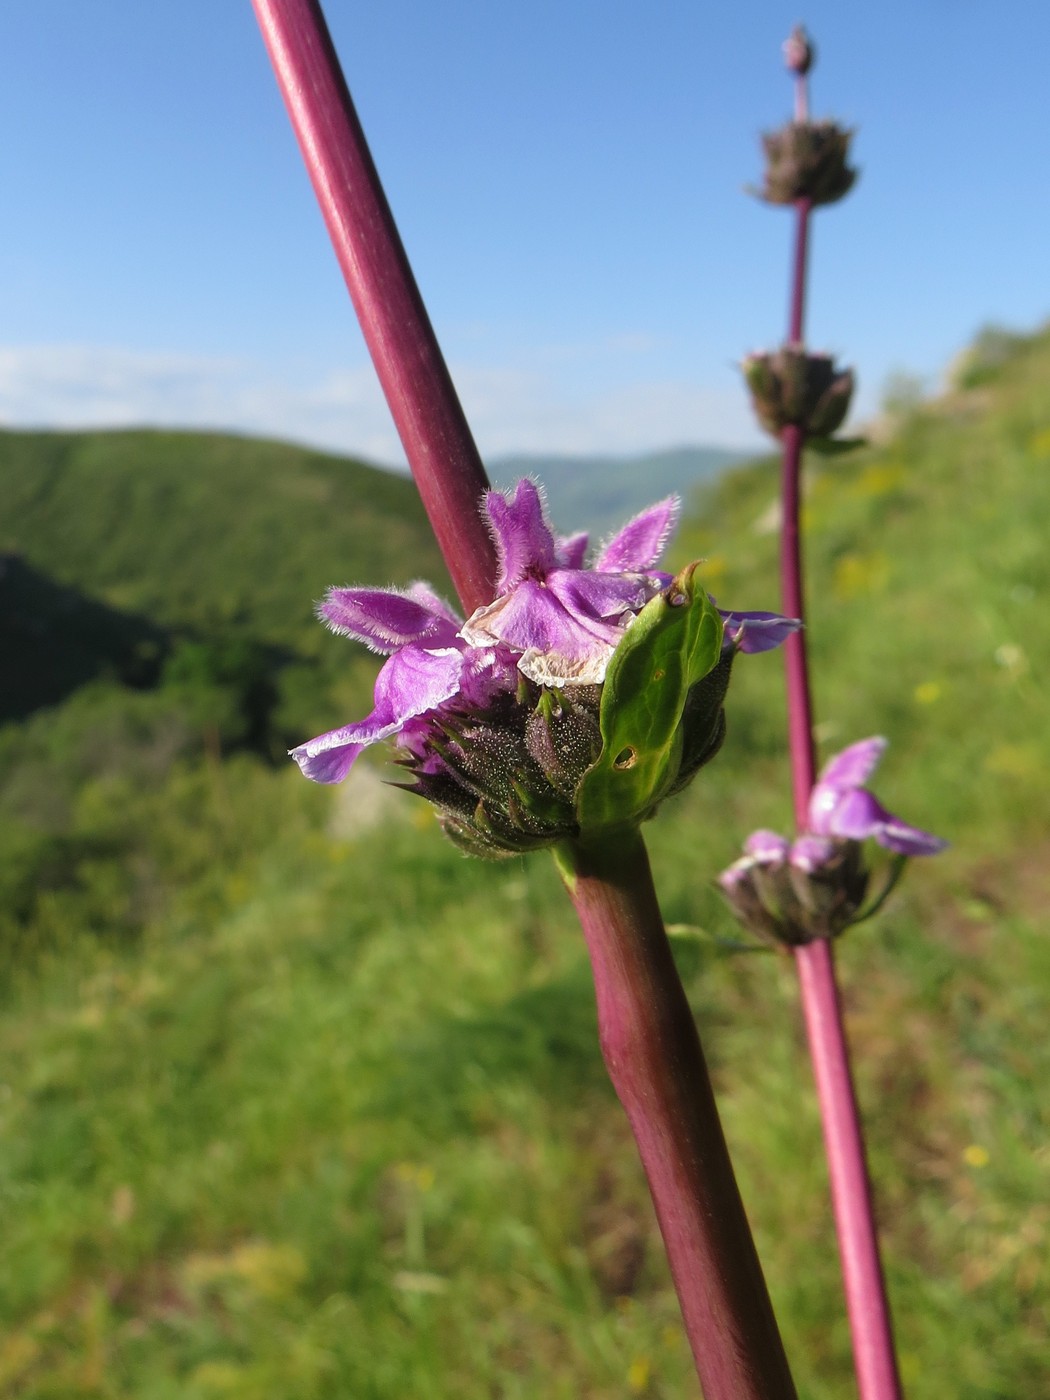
x=565 y=620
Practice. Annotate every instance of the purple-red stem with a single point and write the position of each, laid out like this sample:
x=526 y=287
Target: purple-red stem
x=874 y=1357
x=426 y=410
x=801 y=98
x=652 y=1051
x=648 y=1035
x=866 y=1300
x=796 y=668
x=797 y=315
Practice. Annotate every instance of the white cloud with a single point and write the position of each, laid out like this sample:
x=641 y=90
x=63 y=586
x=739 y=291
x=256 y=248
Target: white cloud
x=81 y=386
x=535 y=409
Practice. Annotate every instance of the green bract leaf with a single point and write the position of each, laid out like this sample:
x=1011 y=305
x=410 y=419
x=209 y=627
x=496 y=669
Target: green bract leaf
x=673 y=643
x=835 y=447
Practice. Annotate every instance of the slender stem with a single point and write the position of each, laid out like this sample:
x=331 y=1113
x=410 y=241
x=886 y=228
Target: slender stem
x=799 y=700
x=873 y=1349
x=652 y=1052
x=397 y=330
x=865 y=1287
x=801 y=98
x=796 y=318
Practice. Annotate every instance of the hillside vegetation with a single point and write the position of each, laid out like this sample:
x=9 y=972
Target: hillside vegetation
x=297 y=1102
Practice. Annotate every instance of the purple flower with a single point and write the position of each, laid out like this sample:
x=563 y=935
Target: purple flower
x=553 y=620
x=840 y=806
x=430 y=668
x=566 y=621
x=752 y=632
x=815 y=886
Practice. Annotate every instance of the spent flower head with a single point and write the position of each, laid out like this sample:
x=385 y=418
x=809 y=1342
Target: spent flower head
x=807 y=160
x=579 y=697
x=792 y=387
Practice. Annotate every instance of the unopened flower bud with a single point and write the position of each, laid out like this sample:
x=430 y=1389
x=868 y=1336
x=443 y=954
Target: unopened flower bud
x=807 y=160
x=741 y=894
x=790 y=387
x=799 y=51
x=503 y=780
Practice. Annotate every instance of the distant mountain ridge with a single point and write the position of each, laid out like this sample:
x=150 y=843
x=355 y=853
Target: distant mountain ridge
x=598 y=493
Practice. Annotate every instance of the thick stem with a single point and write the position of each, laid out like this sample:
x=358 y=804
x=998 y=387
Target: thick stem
x=866 y=1300
x=397 y=330
x=652 y=1052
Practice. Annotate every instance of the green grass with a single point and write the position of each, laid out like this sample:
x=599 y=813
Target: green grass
x=295 y=1101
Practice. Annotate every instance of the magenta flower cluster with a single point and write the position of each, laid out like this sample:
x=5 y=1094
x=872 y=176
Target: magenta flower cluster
x=555 y=621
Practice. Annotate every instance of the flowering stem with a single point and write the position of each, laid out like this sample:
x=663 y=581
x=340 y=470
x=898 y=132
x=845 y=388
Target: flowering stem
x=653 y=1054
x=648 y=1035
x=866 y=1300
x=426 y=410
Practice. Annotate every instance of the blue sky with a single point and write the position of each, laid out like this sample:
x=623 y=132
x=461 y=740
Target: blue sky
x=568 y=179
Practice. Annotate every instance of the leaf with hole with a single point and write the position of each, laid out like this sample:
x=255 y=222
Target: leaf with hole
x=674 y=642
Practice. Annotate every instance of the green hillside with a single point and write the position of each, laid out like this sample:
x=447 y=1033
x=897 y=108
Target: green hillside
x=203 y=530
x=224 y=544
x=297 y=1102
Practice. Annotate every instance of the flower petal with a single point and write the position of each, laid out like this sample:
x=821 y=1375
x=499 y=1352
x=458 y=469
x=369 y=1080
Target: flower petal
x=572 y=549
x=738 y=875
x=752 y=632
x=767 y=847
x=859 y=815
x=387 y=619
x=416 y=680
x=641 y=541
x=411 y=683
x=907 y=840
x=329 y=757
x=421 y=592
x=590 y=597
x=811 y=853
x=586 y=666
x=853 y=766
x=487 y=672
x=522 y=536
x=532 y=618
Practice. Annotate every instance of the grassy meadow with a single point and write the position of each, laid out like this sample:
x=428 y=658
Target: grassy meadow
x=297 y=1102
